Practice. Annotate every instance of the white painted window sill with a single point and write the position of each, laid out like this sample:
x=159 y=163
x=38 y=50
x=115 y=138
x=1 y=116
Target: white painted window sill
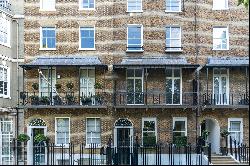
x=5 y=97
x=86 y=9
x=169 y=11
x=47 y=49
x=131 y=51
x=47 y=10
x=86 y=49
x=60 y=145
x=173 y=50
x=220 y=49
x=135 y=11
x=6 y=45
x=220 y=9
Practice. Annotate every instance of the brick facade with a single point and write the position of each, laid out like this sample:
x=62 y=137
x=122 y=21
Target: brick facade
x=110 y=20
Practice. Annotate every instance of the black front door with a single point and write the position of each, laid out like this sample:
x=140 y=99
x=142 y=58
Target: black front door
x=123 y=146
x=38 y=148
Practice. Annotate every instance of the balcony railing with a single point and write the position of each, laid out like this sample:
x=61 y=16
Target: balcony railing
x=155 y=98
x=5 y=5
x=62 y=99
x=225 y=99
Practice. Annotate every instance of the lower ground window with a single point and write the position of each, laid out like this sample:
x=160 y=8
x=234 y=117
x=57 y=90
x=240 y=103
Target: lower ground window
x=180 y=130
x=93 y=131
x=235 y=129
x=62 y=131
x=149 y=131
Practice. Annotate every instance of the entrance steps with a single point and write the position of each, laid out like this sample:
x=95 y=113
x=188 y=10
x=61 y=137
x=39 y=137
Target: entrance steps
x=224 y=160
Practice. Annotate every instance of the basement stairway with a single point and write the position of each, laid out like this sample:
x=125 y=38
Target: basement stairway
x=217 y=159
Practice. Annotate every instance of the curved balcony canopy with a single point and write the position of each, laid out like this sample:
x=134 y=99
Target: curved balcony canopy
x=154 y=62
x=64 y=61
x=227 y=62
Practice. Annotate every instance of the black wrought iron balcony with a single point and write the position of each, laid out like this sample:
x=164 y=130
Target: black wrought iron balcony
x=231 y=99
x=62 y=99
x=155 y=99
x=5 y=5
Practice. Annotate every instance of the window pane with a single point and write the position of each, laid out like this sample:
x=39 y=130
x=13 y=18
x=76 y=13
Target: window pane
x=149 y=126
x=235 y=126
x=179 y=126
x=130 y=72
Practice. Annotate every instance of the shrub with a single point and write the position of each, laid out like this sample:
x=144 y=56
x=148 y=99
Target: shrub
x=149 y=140
x=40 y=137
x=180 y=140
x=98 y=85
x=35 y=86
x=23 y=137
x=70 y=85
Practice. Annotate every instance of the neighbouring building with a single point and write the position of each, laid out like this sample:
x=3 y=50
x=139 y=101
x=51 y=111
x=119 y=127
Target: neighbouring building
x=121 y=69
x=11 y=56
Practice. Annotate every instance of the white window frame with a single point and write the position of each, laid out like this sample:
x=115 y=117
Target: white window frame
x=227 y=83
x=8 y=82
x=220 y=8
x=135 y=25
x=173 y=49
x=10 y=137
x=180 y=7
x=42 y=8
x=149 y=119
x=41 y=38
x=227 y=37
x=8 y=26
x=56 y=130
x=88 y=145
x=134 y=11
x=173 y=78
x=93 y=94
x=134 y=78
x=175 y=119
x=241 y=127
x=82 y=8
x=80 y=40
x=49 y=70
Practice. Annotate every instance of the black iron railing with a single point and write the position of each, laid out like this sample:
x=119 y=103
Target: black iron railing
x=239 y=151
x=155 y=98
x=225 y=99
x=5 y=5
x=45 y=153
x=60 y=99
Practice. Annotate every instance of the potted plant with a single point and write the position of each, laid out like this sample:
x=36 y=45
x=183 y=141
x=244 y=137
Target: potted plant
x=86 y=100
x=34 y=100
x=23 y=138
x=98 y=99
x=70 y=85
x=57 y=100
x=40 y=138
x=58 y=86
x=224 y=134
x=98 y=85
x=70 y=99
x=22 y=95
x=45 y=100
x=35 y=86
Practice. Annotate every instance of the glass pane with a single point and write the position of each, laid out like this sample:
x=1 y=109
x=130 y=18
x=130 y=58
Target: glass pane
x=179 y=126
x=235 y=126
x=130 y=85
x=179 y=134
x=149 y=126
x=177 y=73
x=168 y=72
x=138 y=73
x=175 y=32
x=176 y=96
x=130 y=72
x=169 y=91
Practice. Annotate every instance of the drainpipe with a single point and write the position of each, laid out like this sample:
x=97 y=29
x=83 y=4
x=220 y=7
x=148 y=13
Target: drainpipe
x=197 y=75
